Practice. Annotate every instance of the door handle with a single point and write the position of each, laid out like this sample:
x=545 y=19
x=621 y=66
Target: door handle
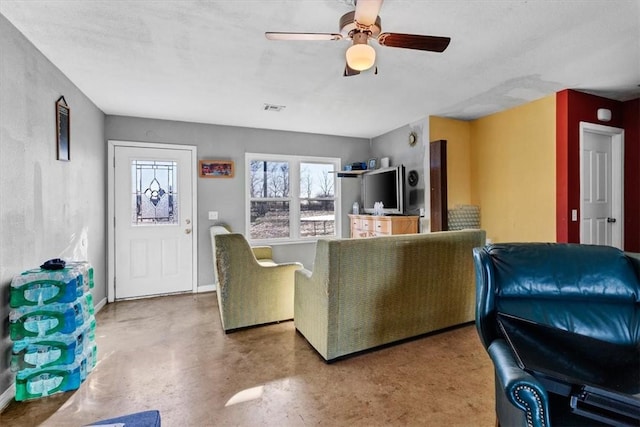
x=611 y=220
x=187 y=231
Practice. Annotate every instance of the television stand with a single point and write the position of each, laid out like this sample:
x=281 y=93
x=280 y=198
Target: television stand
x=374 y=226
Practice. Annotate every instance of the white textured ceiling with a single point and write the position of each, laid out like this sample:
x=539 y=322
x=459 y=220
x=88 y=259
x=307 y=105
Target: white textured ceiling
x=209 y=62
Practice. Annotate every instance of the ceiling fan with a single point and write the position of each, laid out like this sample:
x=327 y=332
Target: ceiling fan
x=361 y=25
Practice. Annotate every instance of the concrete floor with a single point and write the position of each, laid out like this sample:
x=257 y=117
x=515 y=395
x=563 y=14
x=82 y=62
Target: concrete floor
x=170 y=354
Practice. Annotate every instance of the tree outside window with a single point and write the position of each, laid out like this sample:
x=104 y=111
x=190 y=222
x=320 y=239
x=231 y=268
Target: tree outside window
x=269 y=211
x=317 y=207
x=291 y=197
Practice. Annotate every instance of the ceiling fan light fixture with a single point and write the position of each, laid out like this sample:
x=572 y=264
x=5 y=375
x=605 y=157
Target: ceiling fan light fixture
x=362 y=25
x=361 y=57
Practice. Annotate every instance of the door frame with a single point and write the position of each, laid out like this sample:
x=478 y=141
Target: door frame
x=111 y=152
x=617 y=176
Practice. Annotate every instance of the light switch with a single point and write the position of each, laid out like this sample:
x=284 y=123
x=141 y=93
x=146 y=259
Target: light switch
x=213 y=215
x=574 y=215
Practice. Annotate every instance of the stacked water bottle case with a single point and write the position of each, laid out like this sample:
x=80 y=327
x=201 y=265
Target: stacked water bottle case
x=52 y=326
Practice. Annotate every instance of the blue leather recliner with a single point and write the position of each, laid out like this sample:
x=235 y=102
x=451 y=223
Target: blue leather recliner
x=588 y=290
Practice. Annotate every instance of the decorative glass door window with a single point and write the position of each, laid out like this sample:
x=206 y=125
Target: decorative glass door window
x=154 y=192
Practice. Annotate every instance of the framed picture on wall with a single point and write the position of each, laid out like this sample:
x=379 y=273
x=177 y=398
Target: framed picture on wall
x=63 y=140
x=216 y=169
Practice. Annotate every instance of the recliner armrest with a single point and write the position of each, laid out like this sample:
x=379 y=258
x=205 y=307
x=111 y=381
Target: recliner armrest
x=635 y=261
x=523 y=391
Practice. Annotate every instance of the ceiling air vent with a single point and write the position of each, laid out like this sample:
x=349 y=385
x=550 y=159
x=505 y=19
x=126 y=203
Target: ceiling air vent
x=273 y=107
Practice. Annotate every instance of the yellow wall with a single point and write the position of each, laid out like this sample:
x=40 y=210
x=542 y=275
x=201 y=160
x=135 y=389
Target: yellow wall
x=506 y=164
x=458 y=137
x=513 y=172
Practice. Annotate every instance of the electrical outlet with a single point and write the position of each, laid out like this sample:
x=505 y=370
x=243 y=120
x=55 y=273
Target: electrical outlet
x=574 y=215
x=421 y=211
x=213 y=215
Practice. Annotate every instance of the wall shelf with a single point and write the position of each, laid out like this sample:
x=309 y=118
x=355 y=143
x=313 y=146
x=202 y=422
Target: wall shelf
x=349 y=174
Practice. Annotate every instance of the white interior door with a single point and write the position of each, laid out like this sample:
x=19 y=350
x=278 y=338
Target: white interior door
x=601 y=185
x=154 y=234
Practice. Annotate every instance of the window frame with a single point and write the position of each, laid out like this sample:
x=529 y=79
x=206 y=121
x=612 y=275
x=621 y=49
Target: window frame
x=294 y=196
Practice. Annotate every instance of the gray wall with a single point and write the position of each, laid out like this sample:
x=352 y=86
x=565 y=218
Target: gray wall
x=227 y=196
x=395 y=145
x=53 y=209
x=48 y=208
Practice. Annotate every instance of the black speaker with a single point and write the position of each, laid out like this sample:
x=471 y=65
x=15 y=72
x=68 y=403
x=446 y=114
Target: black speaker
x=413 y=178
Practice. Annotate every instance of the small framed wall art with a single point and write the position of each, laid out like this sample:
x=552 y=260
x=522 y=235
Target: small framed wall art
x=63 y=128
x=216 y=169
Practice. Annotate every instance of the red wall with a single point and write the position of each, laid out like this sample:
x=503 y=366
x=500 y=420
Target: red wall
x=572 y=107
x=632 y=175
x=562 y=164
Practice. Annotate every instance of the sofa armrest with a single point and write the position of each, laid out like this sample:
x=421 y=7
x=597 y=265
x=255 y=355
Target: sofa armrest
x=294 y=265
x=262 y=252
x=520 y=398
x=311 y=304
x=305 y=273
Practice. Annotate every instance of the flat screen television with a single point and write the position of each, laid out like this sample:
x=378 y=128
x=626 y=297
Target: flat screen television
x=386 y=186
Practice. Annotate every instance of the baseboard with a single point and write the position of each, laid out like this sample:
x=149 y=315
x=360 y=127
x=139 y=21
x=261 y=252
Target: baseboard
x=206 y=288
x=7 y=396
x=97 y=307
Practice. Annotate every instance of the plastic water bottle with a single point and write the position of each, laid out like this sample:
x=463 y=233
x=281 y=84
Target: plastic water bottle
x=356 y=208
x=41 y=288
x=51 y=350
x=31 y=384
x=38 y=287
x=378 y=208
x=25 y=322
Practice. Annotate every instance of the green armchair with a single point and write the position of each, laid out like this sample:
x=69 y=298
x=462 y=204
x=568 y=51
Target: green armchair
x=252 y=288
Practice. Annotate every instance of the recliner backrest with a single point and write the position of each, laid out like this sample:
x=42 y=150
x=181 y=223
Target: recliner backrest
x=586 y=289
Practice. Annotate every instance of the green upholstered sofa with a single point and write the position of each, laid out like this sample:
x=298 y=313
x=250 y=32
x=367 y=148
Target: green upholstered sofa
x=365 y=293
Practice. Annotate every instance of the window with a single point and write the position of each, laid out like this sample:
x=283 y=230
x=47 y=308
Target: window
x=291 y=197
x=154 y=192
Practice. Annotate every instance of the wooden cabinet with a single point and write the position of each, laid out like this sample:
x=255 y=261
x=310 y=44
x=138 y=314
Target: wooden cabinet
x=372 y=226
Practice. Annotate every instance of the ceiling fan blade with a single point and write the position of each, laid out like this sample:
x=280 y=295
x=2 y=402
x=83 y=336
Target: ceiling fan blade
x=348 y=71
x=302 y=36
x=414 y=41
x=367 y=11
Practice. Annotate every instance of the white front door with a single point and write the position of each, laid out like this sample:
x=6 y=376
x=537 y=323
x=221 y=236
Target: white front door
x=153 y=214
x=601 y=185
